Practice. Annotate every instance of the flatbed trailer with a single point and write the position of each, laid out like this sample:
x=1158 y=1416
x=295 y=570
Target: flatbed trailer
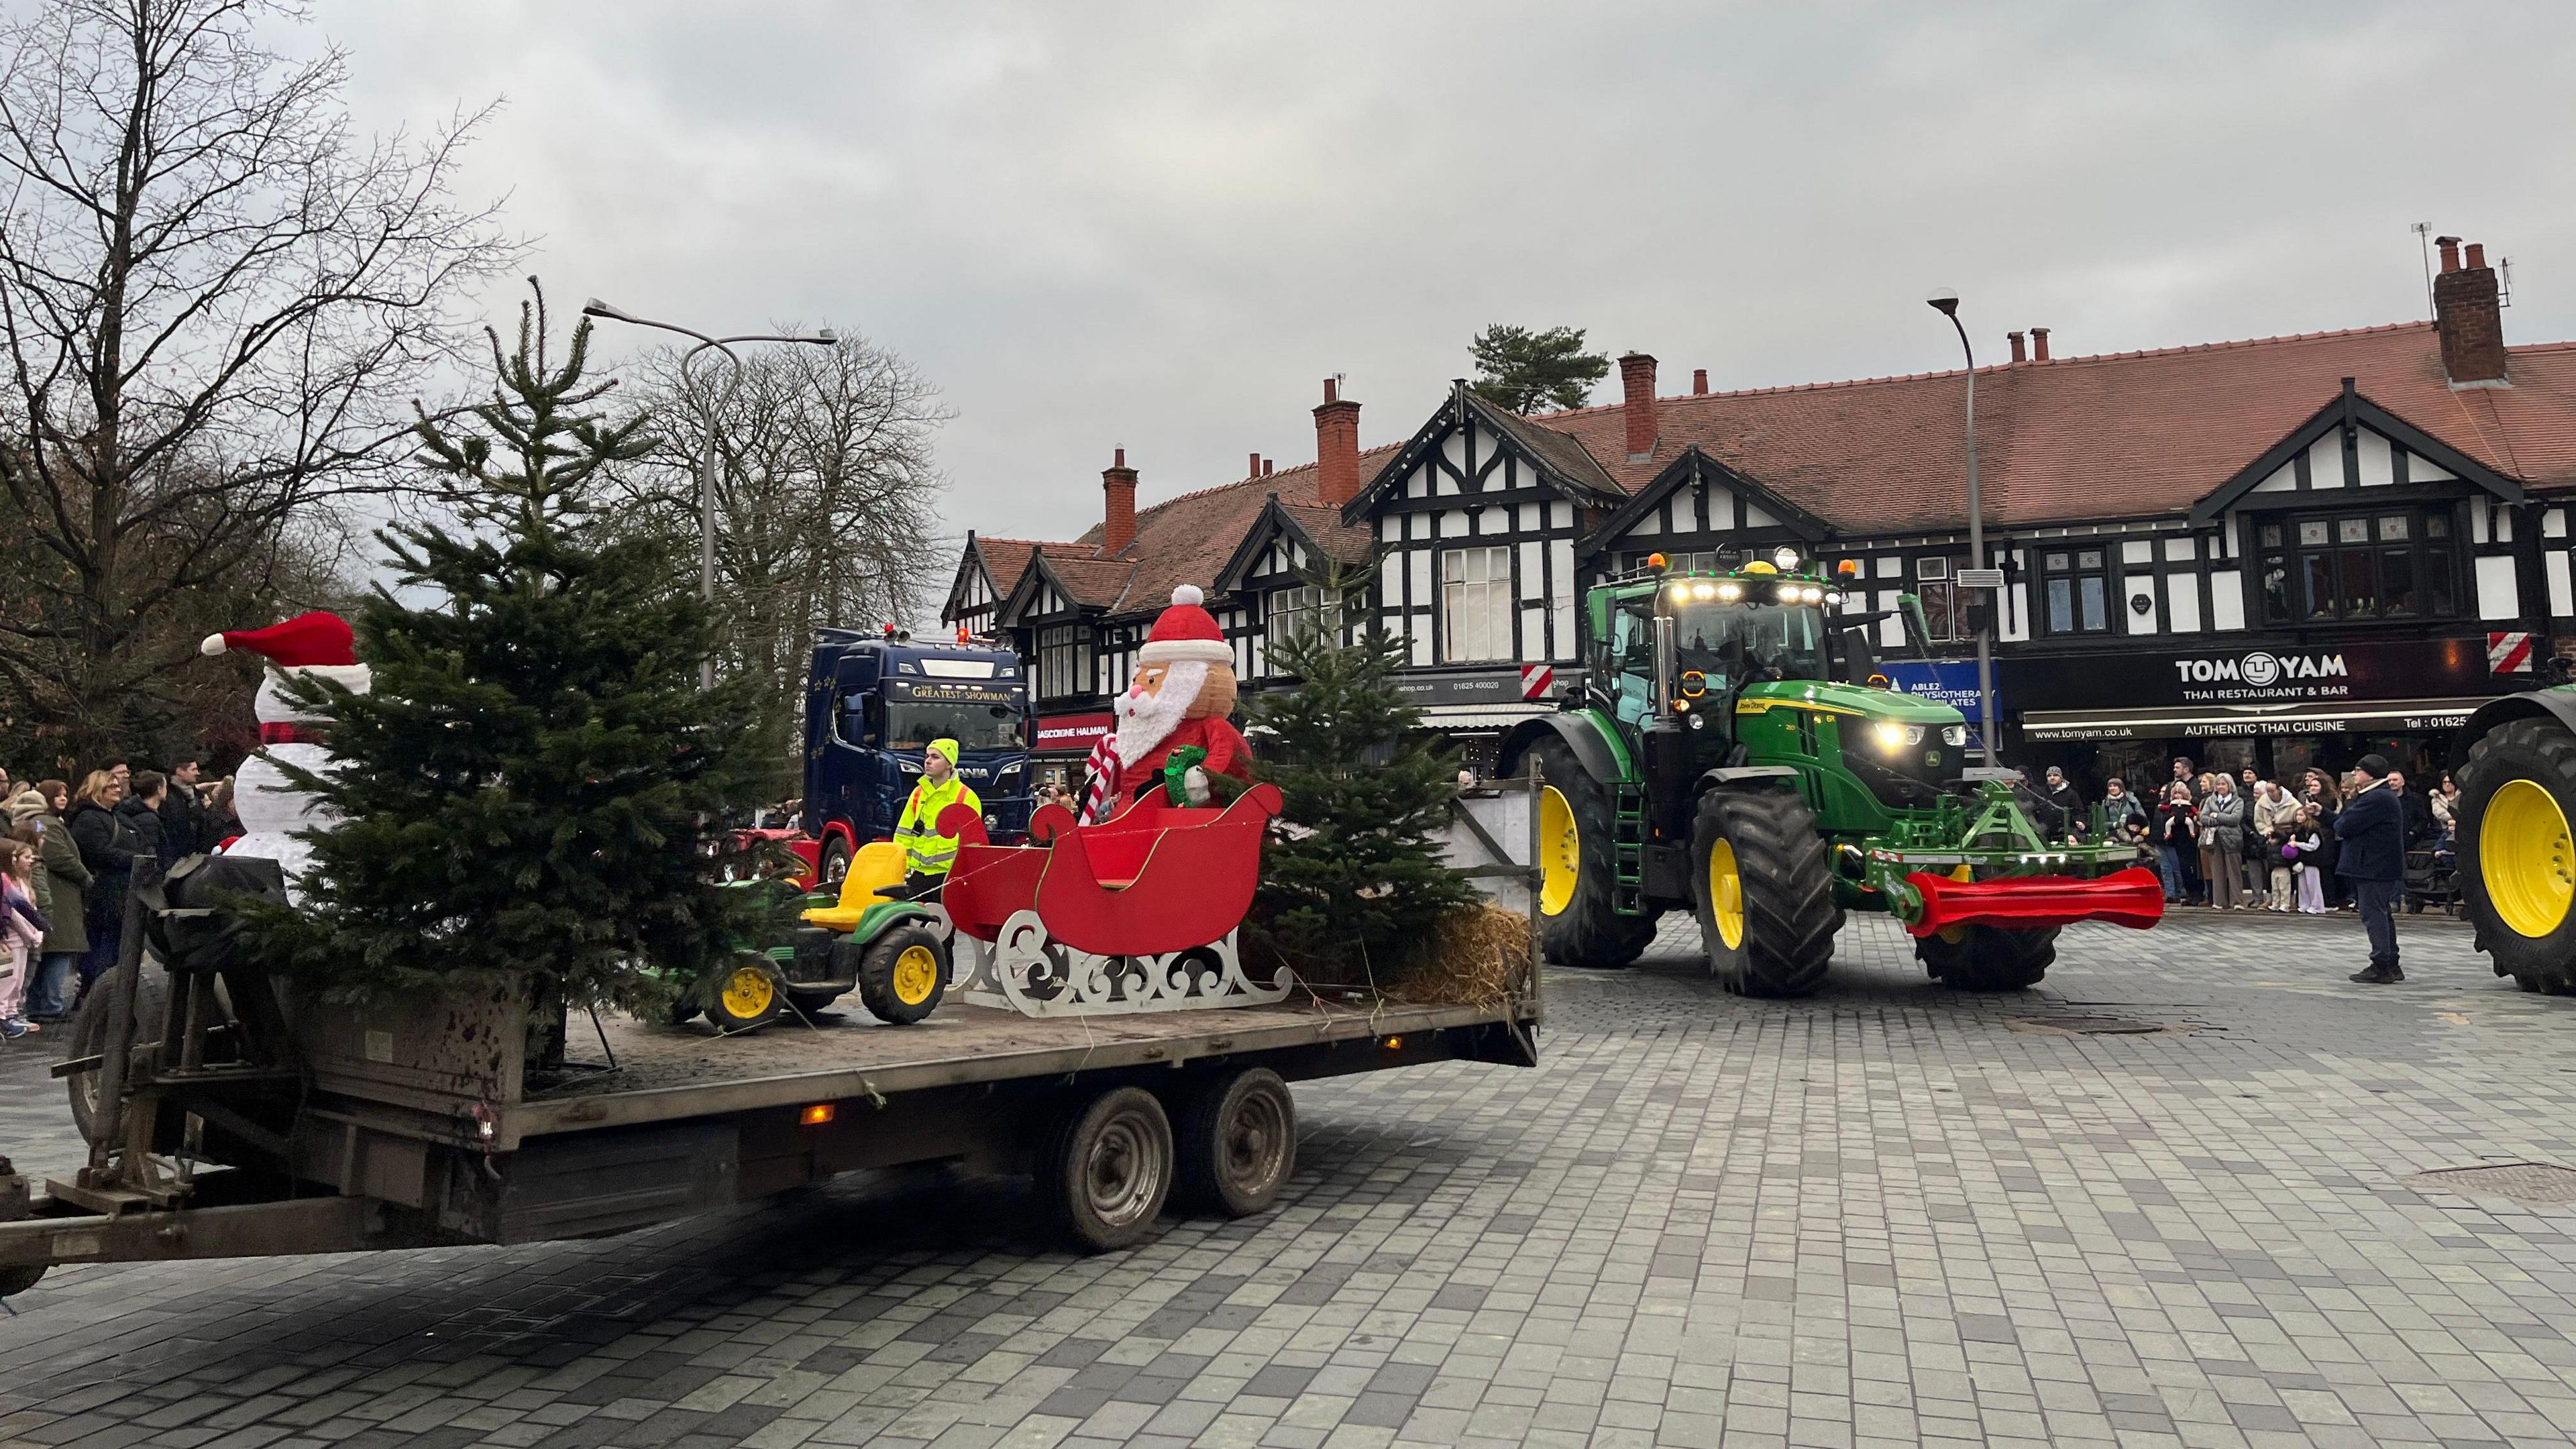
x=234 y=1120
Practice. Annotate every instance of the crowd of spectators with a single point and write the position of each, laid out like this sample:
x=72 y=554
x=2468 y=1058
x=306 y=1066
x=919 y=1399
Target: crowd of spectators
x=65 y=862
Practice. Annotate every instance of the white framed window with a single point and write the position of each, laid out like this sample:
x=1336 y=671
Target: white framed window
x=1475 y=604
x=1295 y=611
x=1064 y=661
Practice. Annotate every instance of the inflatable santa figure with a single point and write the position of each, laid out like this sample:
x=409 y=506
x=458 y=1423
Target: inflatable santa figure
x=1172 y=728
x=272 y=808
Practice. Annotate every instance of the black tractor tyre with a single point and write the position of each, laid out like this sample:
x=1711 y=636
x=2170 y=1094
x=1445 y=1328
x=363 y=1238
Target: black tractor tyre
x=892 y=983
x=1989 y=958
x=1105 y=1173
x=1784 y=923
x=808 y=1000
x=1237 y=1144
x=88 y=1027
x=2496 y=876
x=1587 y=930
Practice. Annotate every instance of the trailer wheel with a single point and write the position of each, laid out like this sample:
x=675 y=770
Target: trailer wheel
x=1238 y=1144
x=1108 y=1170
x=747 y=997
x=1578 y=923
x=903 y=974
x=89 y=1039
x=1988 y=958
x=1765 y=892
x=2517 y=794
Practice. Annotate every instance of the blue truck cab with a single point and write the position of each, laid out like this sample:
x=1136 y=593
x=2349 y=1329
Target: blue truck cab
x=873 y=704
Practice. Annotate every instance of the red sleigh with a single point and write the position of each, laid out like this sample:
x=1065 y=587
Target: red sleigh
x=1149 y=881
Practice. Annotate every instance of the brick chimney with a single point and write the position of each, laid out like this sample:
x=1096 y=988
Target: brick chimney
x=1337 y=447
x=1699 y=382
x=1118 y=528
x=2018 y=354
x=1637 y=382
x=2039 y=344
x=2468 y=318
x=1252 y=469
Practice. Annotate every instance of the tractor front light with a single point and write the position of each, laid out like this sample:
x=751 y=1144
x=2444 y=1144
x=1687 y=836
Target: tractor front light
x=1785 y=558
x=1729 y=593
x=1787 y=594
x=1811 y=594
x=1893 y=736
x=1954 y=735
x=1703 y=591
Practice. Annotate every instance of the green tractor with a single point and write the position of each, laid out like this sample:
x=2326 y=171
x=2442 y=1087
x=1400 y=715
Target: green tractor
x=1735 y=753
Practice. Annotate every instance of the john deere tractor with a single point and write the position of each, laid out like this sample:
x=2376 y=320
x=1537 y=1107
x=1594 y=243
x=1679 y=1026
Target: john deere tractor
x=1734 y=752
x=2515 y=761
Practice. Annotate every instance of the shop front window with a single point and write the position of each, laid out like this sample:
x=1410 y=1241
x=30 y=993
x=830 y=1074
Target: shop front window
x=2388 y=564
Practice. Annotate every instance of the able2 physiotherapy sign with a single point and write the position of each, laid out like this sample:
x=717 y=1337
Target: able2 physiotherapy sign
x=1944 y=681
x=2255 y=676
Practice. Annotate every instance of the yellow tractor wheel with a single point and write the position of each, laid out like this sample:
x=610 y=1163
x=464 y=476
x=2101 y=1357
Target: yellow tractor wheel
x=745 y=997
x=903 y=974
x=2517 y=854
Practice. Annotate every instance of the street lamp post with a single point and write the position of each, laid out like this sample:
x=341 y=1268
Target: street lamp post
x=1946 y=303
x=707 y=414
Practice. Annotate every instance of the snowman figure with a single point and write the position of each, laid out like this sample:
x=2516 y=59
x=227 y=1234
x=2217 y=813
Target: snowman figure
x=272 y=808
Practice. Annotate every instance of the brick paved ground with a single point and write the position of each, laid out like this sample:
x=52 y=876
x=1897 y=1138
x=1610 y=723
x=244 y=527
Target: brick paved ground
x=1884 y=1216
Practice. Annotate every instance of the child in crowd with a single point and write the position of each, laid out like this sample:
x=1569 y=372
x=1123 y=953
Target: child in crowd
x=2308 y=837
x=22 y=930
x=2281 y=854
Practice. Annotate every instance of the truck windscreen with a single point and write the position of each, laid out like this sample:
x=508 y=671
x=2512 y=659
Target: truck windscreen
x=913 y=724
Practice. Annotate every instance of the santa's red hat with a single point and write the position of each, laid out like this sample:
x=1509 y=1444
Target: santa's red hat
x=1186 y=632
x=317 y=639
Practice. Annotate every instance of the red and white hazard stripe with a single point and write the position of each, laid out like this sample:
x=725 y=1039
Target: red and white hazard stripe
x=2509 y=653
x=1536 y=679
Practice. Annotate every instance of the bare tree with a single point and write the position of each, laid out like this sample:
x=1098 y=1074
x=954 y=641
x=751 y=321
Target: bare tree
x=826 y=499
x=217 y=300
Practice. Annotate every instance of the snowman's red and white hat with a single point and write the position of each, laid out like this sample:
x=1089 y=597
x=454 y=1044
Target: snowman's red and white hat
x=319 y=643
x=1186 y=631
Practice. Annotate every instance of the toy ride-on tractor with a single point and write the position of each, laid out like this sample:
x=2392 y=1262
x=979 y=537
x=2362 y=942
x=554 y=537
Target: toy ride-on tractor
x=1735 y=753
x=893 y=948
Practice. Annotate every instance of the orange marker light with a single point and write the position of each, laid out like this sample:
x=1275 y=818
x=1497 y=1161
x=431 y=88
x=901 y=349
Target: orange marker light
x=1394 y=1042
x=815 y=1116
x=1654 y=560
x=1849 y=568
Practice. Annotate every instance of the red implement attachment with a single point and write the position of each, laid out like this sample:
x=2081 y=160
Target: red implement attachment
x=2134 y=898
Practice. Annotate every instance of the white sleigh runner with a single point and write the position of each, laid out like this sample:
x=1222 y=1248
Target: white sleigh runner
x=1142 y=912
x=1023 y=970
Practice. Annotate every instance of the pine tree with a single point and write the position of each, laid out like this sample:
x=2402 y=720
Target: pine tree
x=1354 y=892
x=1520 y=370
x=532 y=795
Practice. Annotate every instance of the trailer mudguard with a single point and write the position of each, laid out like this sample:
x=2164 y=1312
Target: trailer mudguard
x=2557 y=703
x=1602 y=753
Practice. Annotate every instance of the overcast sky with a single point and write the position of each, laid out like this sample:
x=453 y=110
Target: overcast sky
x=1157 y=227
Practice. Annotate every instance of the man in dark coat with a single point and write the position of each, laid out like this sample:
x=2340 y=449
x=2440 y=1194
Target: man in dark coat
x=2063 y=798
x=183 y=814
x=2372 y=830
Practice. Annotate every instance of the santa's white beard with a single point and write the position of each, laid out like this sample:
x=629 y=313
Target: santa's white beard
x=1146 y=720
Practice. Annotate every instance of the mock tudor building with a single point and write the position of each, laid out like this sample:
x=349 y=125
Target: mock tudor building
x=2278 y=552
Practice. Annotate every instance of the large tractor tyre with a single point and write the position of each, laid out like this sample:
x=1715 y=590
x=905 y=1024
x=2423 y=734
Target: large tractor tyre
x=1578 y=925
x=1765 y=892
x=1106 y=1171
x=903 y=975
x=2517 y=869
x=1237 y=1140
x=1988 y=958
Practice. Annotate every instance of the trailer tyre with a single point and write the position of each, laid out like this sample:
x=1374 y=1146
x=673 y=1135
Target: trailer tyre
x=1237 y=1142
x=903 y=975
x=1765 y=892
x=1107 y=1170
x=89 y=1039
x=2517 y=795
x=14 y=1281
x=1578 y=923
x=1988 y=958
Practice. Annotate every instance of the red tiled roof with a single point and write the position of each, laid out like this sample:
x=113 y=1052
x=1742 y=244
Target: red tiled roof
x=1005 y=559
x=1187 y=540
x=2124 y=434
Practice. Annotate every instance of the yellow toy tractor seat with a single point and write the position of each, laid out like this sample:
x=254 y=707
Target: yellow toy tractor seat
x=876 y=867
